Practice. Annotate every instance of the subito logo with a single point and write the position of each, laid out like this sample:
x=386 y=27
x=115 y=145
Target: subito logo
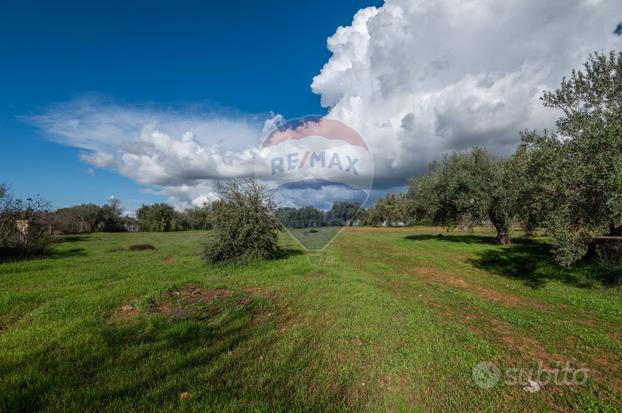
x=320 y=172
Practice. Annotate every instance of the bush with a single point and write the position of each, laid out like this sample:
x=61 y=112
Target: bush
x=245 y=228
x=23 y=224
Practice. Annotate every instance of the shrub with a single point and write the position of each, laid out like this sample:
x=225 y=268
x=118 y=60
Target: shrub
x=23 y=226
x=245 y=228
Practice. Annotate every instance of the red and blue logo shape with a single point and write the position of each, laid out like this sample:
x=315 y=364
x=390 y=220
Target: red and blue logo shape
x=320 y=173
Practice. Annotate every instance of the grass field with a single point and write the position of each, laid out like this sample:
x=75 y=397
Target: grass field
x=314 y=238
x=382 y=320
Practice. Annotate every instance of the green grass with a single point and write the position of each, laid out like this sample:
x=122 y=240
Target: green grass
x=314 y=238
x=382 y=320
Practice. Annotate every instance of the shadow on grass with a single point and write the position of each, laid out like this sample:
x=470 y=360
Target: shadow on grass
x=465 y=239
x=285 y=253
x=59 y=239
x=8 y=255
x=145 y=364
x=533 y=262
x=529 y=260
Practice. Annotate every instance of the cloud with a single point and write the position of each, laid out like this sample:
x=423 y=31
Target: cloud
x=178 y=153
x=99 y=159
x=420 y=78
x=416 y=78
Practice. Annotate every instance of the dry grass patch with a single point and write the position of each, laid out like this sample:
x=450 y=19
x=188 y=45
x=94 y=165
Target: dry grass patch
x=169 y=260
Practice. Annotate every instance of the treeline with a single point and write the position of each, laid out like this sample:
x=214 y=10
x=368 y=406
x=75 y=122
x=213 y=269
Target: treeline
x=90 y=218
x=84 y=218
x=163 y=217
x=341 y=213
x=388 y=211
x=156 y=218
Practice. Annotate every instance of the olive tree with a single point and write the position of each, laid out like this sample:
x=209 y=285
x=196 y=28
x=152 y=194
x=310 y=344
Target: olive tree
x=572 y=180
x=244 y=224
x=466 y=188
x=389 y=210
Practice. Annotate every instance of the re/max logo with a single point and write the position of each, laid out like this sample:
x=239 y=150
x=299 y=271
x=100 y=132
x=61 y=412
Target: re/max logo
x=320 y=159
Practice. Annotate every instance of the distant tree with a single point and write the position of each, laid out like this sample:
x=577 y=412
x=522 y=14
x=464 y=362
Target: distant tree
x=130 y=223
x=306 y=217
x=287 y=216
x=362 y=217
x=157 y=218
x=198 y=217
x=111 y=216
x=79 y=218
x=90 y=214
x=309 y=217
x=245 y=227
x=342 y=213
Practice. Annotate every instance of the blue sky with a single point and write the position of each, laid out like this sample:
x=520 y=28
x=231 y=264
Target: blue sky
x=151 y=101
x=249 y=56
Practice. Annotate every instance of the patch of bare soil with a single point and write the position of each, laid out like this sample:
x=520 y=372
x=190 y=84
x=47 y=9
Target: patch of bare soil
x=194 y=294
x=259 y=292
x=603 y=367
x=610 y=364
x=169 y=260
x=527 y=346
x=191 y=302
x=126 y=312
x=282 y=313
x=259 y=316
x=195 y=303
x=494 y=296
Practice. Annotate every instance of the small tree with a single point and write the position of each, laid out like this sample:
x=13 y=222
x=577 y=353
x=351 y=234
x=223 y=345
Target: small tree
x=244 y=225
x=110 y=219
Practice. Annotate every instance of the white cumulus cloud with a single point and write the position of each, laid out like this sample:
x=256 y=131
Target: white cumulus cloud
x=419 y=78
x=176 y=153
x=416 y=78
